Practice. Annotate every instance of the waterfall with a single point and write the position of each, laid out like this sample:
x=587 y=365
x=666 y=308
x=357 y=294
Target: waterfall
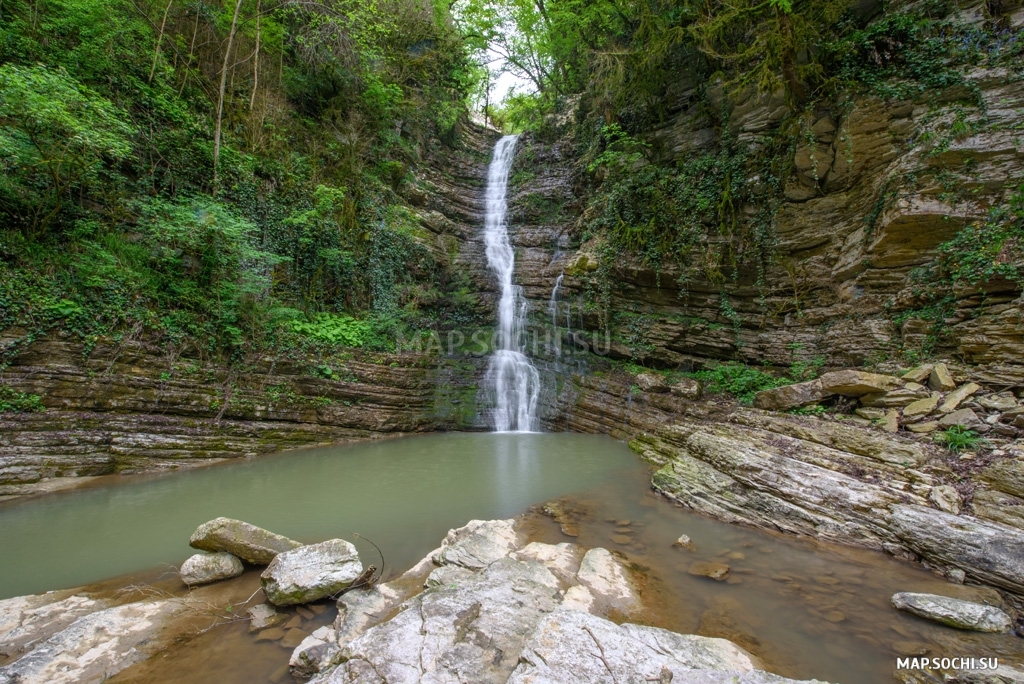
x=511 y=378
x=553 y=305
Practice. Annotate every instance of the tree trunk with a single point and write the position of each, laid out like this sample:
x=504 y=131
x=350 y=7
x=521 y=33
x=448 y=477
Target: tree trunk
x=159 y=41
x=255 y=60
x=220 y=94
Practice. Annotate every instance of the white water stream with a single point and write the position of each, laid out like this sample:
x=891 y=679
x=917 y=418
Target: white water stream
x=511 y=378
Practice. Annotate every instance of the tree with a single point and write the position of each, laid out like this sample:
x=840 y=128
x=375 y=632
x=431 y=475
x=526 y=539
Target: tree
x=55 y=135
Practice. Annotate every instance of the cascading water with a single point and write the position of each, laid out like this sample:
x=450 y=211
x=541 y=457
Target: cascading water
x=553 y=304
x=511 y=378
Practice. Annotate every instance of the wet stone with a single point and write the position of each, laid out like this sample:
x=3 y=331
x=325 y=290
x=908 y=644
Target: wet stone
x=715 y=571
x=272 y=634
x=684 y=542
x=292 y=638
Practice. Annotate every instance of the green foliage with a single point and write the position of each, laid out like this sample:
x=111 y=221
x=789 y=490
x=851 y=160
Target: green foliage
x=336 y=329
x=738 y=380
x=982 y=252
x=12 y=401
x=107 y=227
x=907 y=54
x=958 y=438
x=55 y=135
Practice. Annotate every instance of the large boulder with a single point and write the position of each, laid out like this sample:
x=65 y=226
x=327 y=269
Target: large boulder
x=252 y=544
x=203 y=568
x=848 y=383
x=310 y=573
x=790 y=396
x=954 y=612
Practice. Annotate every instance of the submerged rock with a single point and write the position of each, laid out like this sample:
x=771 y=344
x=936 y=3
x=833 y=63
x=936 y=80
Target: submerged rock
x=684 y=542
x=312 y=572
x=608 y=582
x=252 y=544
x=716 y=571
x=203 y=568
x=954 y=612
x=317 y=652
x=262 y=616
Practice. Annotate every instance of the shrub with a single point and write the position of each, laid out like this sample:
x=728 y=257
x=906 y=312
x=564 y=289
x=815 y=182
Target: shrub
x=958 y=438
x=335 y=329
x=742 y=382
x=19 y=402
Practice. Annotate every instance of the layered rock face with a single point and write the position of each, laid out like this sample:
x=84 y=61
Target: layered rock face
x=131 y=407
x=833 y=478
x=872 y=193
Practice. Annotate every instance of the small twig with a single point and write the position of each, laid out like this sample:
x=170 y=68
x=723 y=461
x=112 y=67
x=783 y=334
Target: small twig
x=379 y=553
x=603 y=659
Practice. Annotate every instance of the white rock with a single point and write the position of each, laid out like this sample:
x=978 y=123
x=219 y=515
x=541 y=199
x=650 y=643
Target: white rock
x=572 y=647
x=252 y=544
x=478 y=544
x=608 y=581
x=25 y=620
x=317 y=652
x=563 y=560
x=203 y=568
x=310 y=573
x=954 y=612
x=93 y=647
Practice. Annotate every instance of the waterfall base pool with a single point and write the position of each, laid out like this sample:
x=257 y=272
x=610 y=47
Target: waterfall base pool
x=808 y=610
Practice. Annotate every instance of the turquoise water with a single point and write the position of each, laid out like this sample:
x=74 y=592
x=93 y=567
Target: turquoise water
x=403 y=494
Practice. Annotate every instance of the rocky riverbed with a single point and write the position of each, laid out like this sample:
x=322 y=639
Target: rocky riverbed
x=491 y=604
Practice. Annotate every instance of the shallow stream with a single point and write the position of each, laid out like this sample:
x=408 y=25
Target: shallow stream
x=809 y=610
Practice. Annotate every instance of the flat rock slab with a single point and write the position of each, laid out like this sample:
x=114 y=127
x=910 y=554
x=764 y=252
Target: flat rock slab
x=573 y=647
x=987 y=551
x=25 y=620
x=252 y=544
x=954 y=612
x=204 y=568
x=310 y=573
x=93 y=647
